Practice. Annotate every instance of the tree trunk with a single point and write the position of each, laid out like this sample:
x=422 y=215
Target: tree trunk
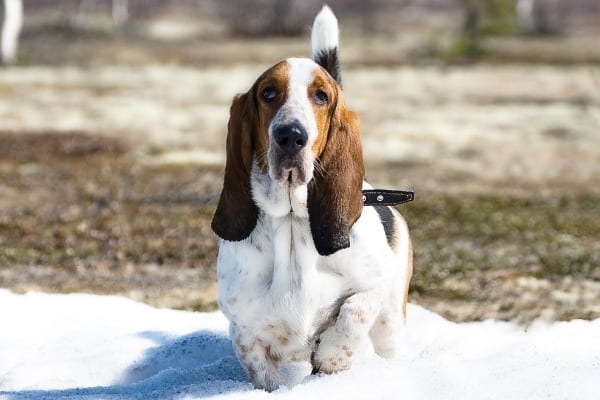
x=525 y=15
x=11 y=27
x=120 y=12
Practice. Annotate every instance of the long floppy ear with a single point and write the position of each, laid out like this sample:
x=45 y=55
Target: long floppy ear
x=335 y=195
x=237 y=213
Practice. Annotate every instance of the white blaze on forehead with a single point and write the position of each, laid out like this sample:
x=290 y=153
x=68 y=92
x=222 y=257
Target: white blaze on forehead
x=302 y=71
x=297 y=106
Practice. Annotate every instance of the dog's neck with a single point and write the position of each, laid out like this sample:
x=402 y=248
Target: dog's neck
x=284 y=230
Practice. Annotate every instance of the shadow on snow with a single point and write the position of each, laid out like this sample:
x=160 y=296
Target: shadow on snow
x=199 y=364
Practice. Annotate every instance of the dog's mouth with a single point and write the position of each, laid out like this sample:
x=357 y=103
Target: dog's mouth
x=290 y=170
x=293 y=175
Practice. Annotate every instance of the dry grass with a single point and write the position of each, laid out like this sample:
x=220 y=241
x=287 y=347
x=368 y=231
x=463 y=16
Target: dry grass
x=99 y=221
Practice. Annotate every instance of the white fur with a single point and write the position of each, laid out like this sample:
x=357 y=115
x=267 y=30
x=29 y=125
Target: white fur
x=325 y=31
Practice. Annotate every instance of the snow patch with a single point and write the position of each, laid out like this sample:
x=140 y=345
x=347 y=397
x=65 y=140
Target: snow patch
x=88 y=347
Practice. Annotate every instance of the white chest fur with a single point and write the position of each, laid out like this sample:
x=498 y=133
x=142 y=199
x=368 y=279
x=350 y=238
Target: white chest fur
x=276 y=278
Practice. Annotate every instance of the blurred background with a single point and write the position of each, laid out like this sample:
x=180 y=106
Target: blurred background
x=113 y=120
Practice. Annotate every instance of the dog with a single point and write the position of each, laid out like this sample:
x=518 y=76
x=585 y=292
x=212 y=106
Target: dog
x=305 y=272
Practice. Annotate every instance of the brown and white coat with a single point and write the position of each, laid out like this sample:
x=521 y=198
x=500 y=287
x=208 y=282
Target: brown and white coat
x=306 y=274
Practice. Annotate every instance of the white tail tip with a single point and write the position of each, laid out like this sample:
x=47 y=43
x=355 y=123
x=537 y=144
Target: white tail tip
x=325 y=31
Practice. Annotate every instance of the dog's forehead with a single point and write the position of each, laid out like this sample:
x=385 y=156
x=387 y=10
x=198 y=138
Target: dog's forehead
x=302 y=71
x=295 y=72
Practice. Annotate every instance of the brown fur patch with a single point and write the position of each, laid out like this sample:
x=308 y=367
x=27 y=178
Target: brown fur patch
x=323 y=112
x=348 y=352
x=251 y=372
x=274 y=358
x=276 y=77
x=408 y=276
x=396 y=235
x=359 y=316
x=283 y=340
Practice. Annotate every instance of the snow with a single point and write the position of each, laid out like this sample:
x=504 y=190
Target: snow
x=99 y=347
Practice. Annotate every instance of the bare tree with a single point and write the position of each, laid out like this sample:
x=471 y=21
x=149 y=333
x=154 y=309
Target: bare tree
x=525 y=15
x=483 y=18
x=11 y=28
x=120 y=12
x=119 y=9
x=541 y=17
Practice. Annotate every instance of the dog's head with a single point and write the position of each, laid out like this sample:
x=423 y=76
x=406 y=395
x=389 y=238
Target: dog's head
x=293 y=125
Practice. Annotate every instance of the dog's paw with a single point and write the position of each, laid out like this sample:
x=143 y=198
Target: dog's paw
x=332 y=356
x=262 y=378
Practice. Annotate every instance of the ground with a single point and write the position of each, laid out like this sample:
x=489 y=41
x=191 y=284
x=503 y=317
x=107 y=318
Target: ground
x=109 y=175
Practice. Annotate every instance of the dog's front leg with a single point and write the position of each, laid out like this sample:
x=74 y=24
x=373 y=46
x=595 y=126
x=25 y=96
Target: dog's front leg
x=261 y=362
x=340 y=343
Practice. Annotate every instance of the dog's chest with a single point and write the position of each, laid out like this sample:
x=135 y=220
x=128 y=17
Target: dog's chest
x=275 y=283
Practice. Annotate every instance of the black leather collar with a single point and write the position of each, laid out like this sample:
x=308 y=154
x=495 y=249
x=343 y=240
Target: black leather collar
x=386 y=197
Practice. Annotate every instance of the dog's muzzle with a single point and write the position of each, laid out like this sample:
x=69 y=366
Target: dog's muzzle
x=288 y=157
x=290 y=138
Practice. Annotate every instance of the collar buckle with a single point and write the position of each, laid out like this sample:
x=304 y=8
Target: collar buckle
x=386 y=197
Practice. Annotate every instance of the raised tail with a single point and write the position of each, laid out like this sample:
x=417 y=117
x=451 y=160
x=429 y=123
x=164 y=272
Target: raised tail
x=325 y=43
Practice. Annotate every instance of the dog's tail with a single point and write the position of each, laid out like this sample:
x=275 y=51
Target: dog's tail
x=325 y=42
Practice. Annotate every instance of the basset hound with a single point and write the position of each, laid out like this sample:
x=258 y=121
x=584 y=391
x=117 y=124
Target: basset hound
x=306 y=273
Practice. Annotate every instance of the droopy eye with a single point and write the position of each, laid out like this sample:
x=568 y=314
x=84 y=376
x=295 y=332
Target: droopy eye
x=320 y=97
x=269 y=93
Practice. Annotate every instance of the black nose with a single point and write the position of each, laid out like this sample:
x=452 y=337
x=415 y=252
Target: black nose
x=290 y=138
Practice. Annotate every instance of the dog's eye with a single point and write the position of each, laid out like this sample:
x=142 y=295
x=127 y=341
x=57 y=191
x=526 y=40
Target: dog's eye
x=320 y=97
x=269 y=93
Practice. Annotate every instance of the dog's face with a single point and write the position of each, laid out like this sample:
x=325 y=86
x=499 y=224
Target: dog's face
x=295 y=101
x=294 y=126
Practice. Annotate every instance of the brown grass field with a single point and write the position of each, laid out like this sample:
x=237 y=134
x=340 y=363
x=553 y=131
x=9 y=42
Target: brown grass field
x=111 y=164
